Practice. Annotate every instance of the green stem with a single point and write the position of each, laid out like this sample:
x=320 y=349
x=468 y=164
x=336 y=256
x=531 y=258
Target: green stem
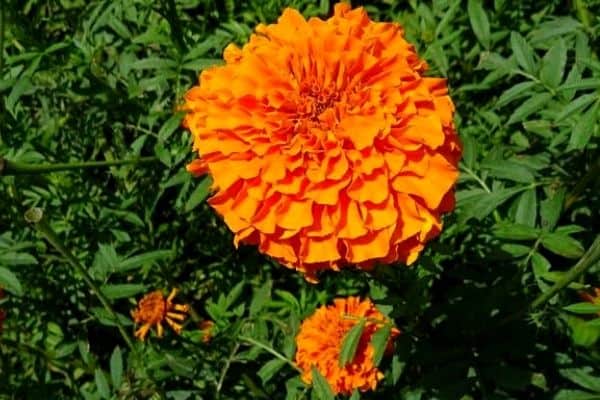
x=590 y=258
x=269 y=350
x=583 y=14
x=226 y=368
x=35 y=217
x=8 y=167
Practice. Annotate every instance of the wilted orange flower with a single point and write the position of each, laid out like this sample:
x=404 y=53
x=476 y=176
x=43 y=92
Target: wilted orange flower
x=326 y=144
x=206 y=327
x=319 y=343
x=153 y=309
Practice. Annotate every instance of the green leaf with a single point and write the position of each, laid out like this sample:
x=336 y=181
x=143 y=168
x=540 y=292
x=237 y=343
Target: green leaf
x=526 y=212
x=102 y=384
x=140 y=260
x=582 y=84
x=568 y=394
x=169 y=126
x=320 y=386
x=479 y=22
x=123 y=290
x=509 y=170
x=551 y=208
x=523 y=52
x=10 y=282
x=581 y=333
x=116 y=367
x=154 y=63
x=553 y=64
x=575 y=106
x=12 y=259
x=199 y=195
x=584 y=129
x=532 y=105
x=260 y=298
x=350 y=343
x=269 y=369
x=355 y=395
x=562 y=245
x=507 y=230
x=582 y=377
x=515 y=92
x=583 y=308
x=380 y=340
x=482 y=204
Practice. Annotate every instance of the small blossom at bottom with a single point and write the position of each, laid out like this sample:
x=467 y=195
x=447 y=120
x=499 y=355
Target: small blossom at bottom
x=319 y=343
x=153 y=309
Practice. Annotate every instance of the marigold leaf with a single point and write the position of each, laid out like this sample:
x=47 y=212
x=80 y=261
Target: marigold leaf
x=116 y=367
x=532 y=105
x=199 y=195
x=523 y=52
x=169 y=126
x=140 y=260
x=379 y=340
x=479 y=22
x=320 y=385
x=563 y=245
x=553 y=64
x=576 y=105
x=551 y=208
x=10 y=282
x=584 y=129
x=515 y=92
x=269 y=369
x=123 y=290
x=582 y=377
x=350 y=343
x=526 y=212
x=583 y=308
x=512 y=231
x=355 y=395
x=102 y=384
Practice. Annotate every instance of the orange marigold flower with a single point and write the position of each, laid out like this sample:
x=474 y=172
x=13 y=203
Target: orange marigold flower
x=153 y=309
x=319 y=343
x=326 y=144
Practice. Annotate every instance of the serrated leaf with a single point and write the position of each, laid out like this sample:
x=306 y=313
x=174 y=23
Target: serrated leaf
x=199 y=194
x=581 y=84
x=116 y=367
x=506 y=169
x=140 y=260
x=123 y=290
x=515 y=92
x=479 y=22
x=526 y=212
x=350 y=343
x=523 y=52
x=553 y=64
x=16 y=259
x=260 y=298
x=582 y=378
x=101 y=384
x=480 y=205
x=320 y=386
x=583 y=308
x=584 y=129
x=562 y=245
x=507 y=230
x=575 y=106
x=153 y=63
x=269 y=369
x=170 y=126
x=568 y=394
x=10 y=282
x=551 y=208
x=530 y=106
x=380 y=340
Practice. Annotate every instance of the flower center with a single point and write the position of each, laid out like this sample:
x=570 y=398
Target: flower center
x=316 y=99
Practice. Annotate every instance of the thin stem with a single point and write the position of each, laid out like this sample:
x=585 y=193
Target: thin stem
x=8 y=167
x=35 y=217
x=590 y=258
x=226 y=368
x=269 y=350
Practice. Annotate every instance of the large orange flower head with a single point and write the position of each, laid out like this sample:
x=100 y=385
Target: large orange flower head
x=326 y=145
x=320 y=339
